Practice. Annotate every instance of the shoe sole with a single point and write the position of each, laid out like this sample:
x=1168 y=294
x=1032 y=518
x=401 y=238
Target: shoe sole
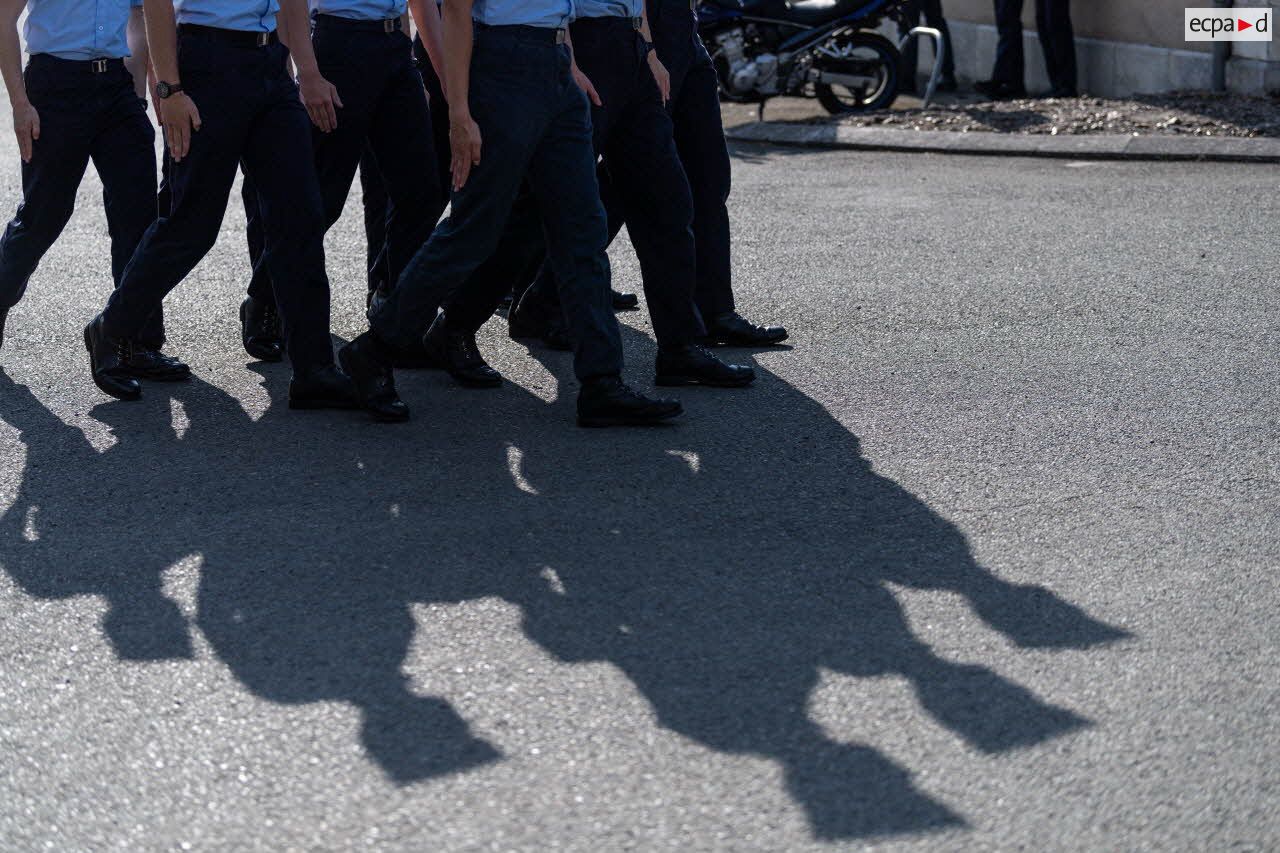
x=729 y=342
x=162 y=377
x=476 y=383
x=615 y=421
x=685 y=381
x=93 y=371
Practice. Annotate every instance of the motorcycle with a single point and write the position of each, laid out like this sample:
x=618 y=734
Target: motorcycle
x=808 y=48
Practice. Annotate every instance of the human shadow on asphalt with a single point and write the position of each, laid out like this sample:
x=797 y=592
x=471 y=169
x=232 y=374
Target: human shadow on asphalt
x=722 y=565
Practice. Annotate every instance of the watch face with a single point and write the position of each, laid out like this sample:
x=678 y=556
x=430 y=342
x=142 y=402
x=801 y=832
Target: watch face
x=162 y=89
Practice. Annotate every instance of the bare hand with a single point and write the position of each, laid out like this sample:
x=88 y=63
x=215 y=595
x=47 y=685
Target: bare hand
x=179 y=118
x=320 y=97
x=26 y=125
x=660 y=76
x=584 y=83
x=464 y=140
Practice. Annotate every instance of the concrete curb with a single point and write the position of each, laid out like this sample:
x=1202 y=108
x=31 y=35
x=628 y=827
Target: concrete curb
x=1091 y=147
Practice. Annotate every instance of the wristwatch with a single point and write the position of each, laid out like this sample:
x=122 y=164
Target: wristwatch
x=648 y=49
x=164 y=90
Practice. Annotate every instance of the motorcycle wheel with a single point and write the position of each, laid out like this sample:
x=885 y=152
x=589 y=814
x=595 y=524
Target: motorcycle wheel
x=863 y=54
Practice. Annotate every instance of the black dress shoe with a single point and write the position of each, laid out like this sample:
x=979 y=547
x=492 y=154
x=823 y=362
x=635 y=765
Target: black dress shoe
x=522 y=324
x=999 y=89
x=456 y=352
x=1062 y=92
x=323 y=388
x=693 y=365
x=260 y=330
x=147 y=363
x=365 y=361
x=625 y=301
x=947 y=85
x=107 y=356
x=731 y=330
x=609 y=402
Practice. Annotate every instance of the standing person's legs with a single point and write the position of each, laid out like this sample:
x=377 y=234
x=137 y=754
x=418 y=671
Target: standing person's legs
x=439 y=113
x=910 y=57
x=375 y=208
x=49 y=182
x=1057 y=39
x=123 y=153
x=400 y=137
x=293 y=220
x=933 y=17
x=699 y=138
x=1010 y=63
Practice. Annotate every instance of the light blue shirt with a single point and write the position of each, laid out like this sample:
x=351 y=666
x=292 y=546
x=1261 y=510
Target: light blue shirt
x=254 y=16
x=609 y=8
x=78 y=29
x=551 y=14
x=360 y=10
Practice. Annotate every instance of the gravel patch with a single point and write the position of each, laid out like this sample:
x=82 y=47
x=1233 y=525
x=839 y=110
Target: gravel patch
x=1178 y=114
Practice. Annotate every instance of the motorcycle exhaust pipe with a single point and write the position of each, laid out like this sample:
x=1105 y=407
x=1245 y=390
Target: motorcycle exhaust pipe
x=832 y=78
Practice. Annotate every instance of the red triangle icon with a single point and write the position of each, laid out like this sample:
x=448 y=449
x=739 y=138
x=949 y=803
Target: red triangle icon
x=1244 y=25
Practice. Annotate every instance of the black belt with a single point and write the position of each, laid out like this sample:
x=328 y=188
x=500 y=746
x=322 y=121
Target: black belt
x=386 y=25
x=524 y=32
x=238 y=38
x=613 y=20
x=92 y=66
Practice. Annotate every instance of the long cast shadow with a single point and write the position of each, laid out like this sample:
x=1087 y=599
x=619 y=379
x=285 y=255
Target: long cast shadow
x=721 y=565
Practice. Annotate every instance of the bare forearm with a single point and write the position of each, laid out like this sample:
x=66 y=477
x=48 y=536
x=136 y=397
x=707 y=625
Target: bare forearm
x=162 y=39
x=427 y=16
x=293 y=21
x=139 y=57
x=457 y=55
x=11 y=62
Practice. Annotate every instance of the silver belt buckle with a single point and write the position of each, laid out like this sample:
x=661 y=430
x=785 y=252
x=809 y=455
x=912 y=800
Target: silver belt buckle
x=560 y=35
x=390 y=25
x=264 y=39
x=637 y=23
x=98 y=66
x=693 y=5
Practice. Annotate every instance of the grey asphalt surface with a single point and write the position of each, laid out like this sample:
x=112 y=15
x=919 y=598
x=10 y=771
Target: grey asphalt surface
x=985 y=561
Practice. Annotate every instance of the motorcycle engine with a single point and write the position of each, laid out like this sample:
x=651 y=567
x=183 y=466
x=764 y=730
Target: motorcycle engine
x=744 y=72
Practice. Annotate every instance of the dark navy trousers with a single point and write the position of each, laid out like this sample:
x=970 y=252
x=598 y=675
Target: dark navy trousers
x=1057 y=39
x=383 y=123
x=374 y=194
x=250 y=115
x=643 y=178
x=84 y=115
x=534 y=123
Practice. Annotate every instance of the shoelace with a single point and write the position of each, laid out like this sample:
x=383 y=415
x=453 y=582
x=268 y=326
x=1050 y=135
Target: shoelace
x=470 y=352
x=124 y=350
x=271 y=320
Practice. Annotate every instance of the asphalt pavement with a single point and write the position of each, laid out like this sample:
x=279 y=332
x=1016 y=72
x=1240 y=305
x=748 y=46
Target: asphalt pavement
x=985 y=560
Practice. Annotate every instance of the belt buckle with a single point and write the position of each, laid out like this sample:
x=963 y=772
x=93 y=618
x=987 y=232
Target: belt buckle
x=693 y=5
x=263 y=39
x=560 y=35
x=390 y=25
x=637 y=23
x=98 y=66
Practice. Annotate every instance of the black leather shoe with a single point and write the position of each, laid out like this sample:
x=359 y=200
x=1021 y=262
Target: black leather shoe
x=553 y=333
x=364 y=360
x=609 y=402
x=4 y=315
x=731 y=330
x=947 y=85
x=322 y=388
x=107 y=356
x=260 y=330
x=1062 y=93
x=693 y=365
x=625 y=301
x=456 y=351
x=147 y=363
x=999 y=90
